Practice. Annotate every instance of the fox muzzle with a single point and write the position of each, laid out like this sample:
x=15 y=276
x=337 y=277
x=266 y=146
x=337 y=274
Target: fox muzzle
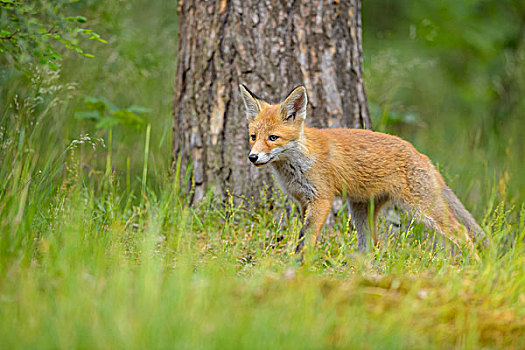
x=260 y=158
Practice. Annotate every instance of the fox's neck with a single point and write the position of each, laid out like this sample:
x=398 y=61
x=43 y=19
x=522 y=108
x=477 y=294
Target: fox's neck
x=291 y=169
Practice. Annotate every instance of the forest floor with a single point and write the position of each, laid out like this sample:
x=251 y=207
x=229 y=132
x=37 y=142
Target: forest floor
x=160 y=274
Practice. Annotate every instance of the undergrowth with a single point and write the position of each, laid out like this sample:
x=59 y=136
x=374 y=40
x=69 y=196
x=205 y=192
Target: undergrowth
x=88 y=266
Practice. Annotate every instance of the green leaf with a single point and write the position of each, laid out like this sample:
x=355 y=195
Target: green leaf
x=94 y=104
x=109 y=104
x=88 y=115
x=138 y=109
x=106 y=123
x=52 y=65
x=128 y=118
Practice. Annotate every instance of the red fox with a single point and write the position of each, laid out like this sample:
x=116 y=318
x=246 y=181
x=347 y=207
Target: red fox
x=370 y=168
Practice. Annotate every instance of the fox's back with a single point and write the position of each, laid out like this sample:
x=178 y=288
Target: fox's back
x=363 y=162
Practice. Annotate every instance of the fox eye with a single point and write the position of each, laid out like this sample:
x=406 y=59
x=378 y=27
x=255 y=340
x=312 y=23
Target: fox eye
x=273 y=137
x=253 y=137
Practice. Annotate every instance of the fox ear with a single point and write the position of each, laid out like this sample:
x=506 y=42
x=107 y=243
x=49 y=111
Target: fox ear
x=251 y=102
x=294 y=106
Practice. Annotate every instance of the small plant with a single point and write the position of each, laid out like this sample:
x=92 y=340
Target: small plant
x=106 y=115
x=31 y=30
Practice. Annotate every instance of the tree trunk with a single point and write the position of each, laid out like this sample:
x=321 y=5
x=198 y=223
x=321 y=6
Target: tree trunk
x=271 y=46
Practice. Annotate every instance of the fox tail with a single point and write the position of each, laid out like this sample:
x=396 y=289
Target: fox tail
x=464 y=217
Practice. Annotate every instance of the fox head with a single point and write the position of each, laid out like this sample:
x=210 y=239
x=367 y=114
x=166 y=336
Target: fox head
x=275 y=131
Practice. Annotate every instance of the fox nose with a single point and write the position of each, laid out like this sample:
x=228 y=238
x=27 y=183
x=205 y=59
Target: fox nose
x=253 y=158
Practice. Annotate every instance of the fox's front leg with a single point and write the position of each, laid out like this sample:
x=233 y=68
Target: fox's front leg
x=316 y=213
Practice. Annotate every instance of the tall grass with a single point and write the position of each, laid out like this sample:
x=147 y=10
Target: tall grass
x=162 y=274
x=99 y=249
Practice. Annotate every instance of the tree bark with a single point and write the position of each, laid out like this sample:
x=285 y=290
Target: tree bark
x=271 y=46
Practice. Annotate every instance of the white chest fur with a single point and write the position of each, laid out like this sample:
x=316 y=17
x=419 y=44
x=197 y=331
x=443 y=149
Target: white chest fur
x=291 y=170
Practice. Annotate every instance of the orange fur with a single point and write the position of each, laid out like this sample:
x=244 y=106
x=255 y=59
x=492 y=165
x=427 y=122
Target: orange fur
x=316 y=165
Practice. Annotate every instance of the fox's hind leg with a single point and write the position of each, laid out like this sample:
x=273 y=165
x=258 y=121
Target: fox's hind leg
x=360 y=212
x=439 y=218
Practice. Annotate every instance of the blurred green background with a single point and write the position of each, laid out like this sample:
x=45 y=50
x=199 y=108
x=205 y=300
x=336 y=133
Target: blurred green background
x=448 y=76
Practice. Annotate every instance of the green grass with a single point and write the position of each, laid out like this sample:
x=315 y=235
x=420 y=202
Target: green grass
x=160 y=274
x=99 y=249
